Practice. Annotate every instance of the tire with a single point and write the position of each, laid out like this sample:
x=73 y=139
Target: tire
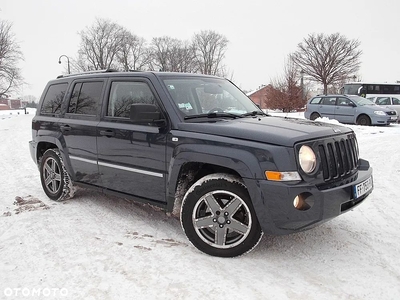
x=55 y=179
x=314 y=116
x=218 y=217
x=363 y=120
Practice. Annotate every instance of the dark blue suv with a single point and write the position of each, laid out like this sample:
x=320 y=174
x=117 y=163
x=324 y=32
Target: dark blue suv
x=199 y=148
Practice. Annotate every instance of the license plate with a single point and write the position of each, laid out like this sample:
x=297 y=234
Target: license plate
x=363 y=188
x=393 y=118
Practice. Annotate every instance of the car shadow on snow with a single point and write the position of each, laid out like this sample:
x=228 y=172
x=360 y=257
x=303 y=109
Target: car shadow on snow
x=128 y=219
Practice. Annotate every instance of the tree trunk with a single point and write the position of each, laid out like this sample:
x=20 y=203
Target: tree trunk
x=325 y=88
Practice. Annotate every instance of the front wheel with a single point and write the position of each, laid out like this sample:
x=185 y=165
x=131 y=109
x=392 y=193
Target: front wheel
x=218 y=217
x=363 y=120
x=55 y=179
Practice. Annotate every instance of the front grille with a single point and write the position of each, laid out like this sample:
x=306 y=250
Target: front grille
x=339 y=157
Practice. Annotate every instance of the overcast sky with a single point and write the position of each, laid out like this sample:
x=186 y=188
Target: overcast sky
x=261 y=33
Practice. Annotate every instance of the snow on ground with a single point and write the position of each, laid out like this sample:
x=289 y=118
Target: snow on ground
x=100 y=247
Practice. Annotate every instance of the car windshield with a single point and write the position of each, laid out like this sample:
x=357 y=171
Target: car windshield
x=198 y=97
x=361 y=101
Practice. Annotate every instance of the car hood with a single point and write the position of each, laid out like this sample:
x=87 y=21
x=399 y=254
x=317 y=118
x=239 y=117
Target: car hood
x=375 y=107
x=266 y=129
x=385 y=108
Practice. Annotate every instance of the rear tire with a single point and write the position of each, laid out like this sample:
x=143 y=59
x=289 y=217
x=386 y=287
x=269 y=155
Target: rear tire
x=55 y=179
x=363 y=120
x=218 y=217
x=314 y=116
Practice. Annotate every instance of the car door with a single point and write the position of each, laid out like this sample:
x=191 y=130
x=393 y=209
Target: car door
x=327 y=107
x=131 y=156
x=78 y=128
x=345 y=110
x=396 y=105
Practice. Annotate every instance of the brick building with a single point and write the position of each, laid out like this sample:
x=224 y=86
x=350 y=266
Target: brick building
x=7 y=103
x=260 y=96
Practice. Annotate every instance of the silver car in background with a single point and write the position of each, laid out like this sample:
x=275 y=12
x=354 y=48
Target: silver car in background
x=349 y=109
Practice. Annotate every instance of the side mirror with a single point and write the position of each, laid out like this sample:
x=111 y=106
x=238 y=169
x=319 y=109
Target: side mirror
x=146 y=113
x=352 y=104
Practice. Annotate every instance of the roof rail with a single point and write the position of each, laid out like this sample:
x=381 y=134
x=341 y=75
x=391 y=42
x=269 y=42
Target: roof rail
x=89 y=72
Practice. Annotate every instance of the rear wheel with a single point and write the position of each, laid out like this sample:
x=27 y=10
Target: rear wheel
x=314 y=116
x=55 y=179
x=363 y=120
x=218 y=217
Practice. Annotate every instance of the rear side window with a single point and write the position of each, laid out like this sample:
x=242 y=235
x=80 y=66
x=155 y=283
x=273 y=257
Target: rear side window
x=316 y=100
x=53 y=99
x=85 y=98
x=329 y=101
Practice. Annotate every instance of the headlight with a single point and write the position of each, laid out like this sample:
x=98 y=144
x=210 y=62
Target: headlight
x=307 y=159
x=379 y=112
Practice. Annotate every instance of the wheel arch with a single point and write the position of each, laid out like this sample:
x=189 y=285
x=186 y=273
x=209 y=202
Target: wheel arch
x=313 y=114
x=187 y=167
x=51 y=143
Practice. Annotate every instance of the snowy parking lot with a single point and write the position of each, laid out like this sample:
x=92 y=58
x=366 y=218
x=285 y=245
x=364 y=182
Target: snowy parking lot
x=100 y=247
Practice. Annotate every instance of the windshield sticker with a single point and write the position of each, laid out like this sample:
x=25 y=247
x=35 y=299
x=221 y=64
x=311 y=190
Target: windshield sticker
x=186 y=106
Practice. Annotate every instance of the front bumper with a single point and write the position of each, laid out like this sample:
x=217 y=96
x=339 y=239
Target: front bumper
x=382 y=120
x=273 y=203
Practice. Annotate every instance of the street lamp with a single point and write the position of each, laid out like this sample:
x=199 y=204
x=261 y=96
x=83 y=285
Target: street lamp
x=302 y=83
x=59 y=61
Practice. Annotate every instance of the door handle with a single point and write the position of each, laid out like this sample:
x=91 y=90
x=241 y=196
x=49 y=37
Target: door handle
x=107 y=133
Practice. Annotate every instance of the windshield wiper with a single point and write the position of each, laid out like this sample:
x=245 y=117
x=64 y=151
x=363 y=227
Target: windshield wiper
x=254 y=113
x=214 y=115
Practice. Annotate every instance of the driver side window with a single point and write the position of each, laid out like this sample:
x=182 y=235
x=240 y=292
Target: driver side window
x=124 y=94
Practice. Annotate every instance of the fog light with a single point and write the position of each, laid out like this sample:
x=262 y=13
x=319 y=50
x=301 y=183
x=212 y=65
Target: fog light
x=303 y=201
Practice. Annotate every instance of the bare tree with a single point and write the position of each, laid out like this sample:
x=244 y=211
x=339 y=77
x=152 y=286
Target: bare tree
x=100 y=45
x=210 y=52
x=133 y=55
x=162 y=49
x=10 y=55
x=172 y=55
x=327 y=58
x=286 y=92
x=186 y=55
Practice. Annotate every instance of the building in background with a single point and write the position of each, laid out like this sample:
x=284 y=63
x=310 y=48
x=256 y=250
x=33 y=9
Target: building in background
x=8 y=103
x=260 y=96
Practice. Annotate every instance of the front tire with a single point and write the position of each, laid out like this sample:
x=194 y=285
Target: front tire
x=218 y=217
x=363 y=120
x=55 y=179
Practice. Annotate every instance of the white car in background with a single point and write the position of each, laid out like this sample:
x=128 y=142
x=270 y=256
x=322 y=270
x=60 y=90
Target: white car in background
x=388 y=101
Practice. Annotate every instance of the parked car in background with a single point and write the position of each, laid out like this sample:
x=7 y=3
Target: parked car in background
x=349 y=109
x=388 y=102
